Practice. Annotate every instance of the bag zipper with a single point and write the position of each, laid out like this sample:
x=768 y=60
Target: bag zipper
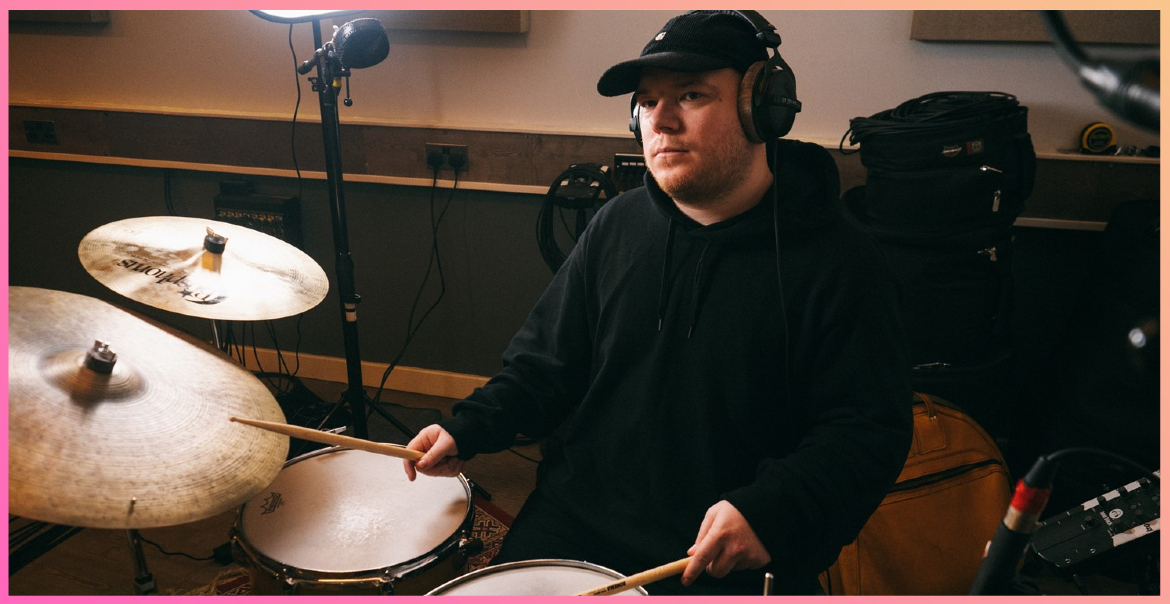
x=937 y=477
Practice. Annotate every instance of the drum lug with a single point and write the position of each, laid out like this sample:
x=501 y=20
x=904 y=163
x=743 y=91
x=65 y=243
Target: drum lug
x=470 y=547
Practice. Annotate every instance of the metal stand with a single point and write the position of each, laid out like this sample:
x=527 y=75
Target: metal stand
x=327 y=84
x=143 y=581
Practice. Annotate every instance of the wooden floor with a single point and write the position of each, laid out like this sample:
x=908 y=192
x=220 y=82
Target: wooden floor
x=100 y=562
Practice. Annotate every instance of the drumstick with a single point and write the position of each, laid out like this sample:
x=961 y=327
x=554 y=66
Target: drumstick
x=640 y=579
x=330 y=438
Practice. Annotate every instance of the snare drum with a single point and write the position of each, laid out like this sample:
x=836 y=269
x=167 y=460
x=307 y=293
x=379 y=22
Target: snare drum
x=534 y=578
x=346 y=521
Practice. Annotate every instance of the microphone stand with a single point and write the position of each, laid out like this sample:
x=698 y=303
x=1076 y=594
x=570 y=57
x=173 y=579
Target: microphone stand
x=329 y=71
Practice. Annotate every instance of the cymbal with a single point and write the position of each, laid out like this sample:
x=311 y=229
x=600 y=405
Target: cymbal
x=162 y=261
x=132 y=432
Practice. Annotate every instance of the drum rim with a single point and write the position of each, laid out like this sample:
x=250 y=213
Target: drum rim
x=385 y=574
x=560 y=562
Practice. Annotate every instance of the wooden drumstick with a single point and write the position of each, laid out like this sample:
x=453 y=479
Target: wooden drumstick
x=330 y=438
x=640 y=579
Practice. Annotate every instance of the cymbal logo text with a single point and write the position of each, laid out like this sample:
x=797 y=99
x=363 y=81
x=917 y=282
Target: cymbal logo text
x=189 y=291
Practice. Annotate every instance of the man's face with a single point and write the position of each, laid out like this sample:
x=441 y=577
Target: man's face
x=691 y=134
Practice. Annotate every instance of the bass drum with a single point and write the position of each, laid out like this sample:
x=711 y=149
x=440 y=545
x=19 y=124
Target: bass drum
x=534 y=578
x=343 y=521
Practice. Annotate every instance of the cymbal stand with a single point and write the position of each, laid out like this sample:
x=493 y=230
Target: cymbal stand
x=143 y=580
x=327 y=84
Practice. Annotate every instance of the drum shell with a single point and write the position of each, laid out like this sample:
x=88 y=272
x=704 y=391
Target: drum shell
x=415 y=576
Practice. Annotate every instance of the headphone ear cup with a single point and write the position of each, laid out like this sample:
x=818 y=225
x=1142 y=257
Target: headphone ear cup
x=635 y=126
x=747 y=101
x=767 y=100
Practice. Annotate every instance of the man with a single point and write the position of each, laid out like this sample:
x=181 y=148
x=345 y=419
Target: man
x=712 y=394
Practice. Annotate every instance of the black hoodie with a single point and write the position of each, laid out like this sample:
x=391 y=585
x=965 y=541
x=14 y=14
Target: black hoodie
x=674 y=377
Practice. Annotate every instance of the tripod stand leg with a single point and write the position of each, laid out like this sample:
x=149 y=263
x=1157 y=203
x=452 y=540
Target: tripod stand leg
x=143 y=581
x=393 y=420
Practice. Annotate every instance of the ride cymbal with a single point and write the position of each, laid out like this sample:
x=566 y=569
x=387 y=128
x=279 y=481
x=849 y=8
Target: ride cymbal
x=130 y=432
x=203 y=268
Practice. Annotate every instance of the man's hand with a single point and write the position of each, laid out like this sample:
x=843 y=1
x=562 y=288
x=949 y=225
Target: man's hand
x=726 y=542
x=440 y=454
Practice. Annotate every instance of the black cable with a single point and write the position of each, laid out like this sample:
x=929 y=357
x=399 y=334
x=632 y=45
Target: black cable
x=577 y=188
x=1121 y=459
x=934 y=111
x=297 y=348
x=165 y=552
x=167 y=196
x=296 y=110
x=1066 y=46
x=779 y=278
x=282 y=365
x=521 y=455
x=435 y=261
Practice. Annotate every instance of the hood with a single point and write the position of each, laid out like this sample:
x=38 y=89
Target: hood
x=809 y=190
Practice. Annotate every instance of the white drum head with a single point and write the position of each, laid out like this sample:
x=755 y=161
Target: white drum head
x=534 y=578
x=350 y=511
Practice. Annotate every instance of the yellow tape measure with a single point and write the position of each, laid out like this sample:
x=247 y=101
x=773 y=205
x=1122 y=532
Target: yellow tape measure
x=1097 y=137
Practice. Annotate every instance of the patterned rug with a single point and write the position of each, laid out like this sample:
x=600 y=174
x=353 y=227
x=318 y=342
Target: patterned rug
x=489 y=525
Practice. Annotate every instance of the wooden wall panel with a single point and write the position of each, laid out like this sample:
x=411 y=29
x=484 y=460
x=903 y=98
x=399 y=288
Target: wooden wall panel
x=1083 y=189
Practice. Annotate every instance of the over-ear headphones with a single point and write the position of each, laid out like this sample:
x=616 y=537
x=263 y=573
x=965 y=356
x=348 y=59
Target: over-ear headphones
x=767 y=93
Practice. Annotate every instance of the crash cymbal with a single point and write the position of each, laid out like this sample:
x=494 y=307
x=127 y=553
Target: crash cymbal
x=130 y=433
x=183 y=265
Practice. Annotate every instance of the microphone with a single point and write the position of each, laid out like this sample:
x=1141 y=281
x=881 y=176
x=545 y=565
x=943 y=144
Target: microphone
x=358 y=44
x=1130 y=90
x=1007 y=546
x=361 y=43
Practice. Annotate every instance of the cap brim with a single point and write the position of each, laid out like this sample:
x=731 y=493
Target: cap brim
x=623 y=78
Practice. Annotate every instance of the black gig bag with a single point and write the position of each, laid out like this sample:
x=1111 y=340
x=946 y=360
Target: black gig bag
x=957 y=288
x=946 y=161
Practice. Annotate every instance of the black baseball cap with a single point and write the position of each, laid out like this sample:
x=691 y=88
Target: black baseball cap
x=695 y=41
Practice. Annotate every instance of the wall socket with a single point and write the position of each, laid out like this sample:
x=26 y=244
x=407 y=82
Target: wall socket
x=444 y=155
x=40 y=132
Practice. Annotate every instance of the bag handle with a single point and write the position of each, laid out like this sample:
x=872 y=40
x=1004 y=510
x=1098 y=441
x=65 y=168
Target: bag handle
x=926 y=400
x=929 y=434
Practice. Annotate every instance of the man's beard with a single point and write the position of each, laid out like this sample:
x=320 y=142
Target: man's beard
x=702 y=184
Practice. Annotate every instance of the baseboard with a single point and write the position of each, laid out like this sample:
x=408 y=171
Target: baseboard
x=405 y=379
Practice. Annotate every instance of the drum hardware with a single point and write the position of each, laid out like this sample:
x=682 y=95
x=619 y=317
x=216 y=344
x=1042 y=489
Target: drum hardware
x=328 y=62
x=143 y=581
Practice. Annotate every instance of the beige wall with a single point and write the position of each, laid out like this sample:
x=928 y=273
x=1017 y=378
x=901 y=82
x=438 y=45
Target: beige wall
x=848 y=64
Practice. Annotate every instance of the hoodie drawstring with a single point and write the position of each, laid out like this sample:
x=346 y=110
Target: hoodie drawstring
x=664 y=289
x=697 y=282
x=695 y=291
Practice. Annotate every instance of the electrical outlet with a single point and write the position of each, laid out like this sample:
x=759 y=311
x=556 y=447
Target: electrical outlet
x=445 y=155
x=40 y=132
